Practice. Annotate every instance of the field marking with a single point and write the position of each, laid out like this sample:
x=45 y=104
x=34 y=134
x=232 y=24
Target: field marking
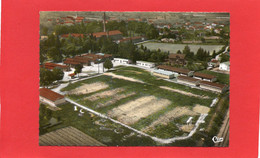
x=123 y=77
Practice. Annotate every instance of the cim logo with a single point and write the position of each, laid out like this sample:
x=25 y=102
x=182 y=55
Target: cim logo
x=215 y=139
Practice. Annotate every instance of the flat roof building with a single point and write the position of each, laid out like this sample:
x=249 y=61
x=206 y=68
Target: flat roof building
x=163 y=74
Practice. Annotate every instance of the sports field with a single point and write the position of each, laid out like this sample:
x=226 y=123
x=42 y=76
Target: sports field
x=135 y=98
x=173 y=48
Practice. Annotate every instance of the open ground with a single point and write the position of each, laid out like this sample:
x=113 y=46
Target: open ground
x=135 y=98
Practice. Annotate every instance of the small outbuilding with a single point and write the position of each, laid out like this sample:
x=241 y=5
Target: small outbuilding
x=188 y=80
x=121 y=61
x=224 y=66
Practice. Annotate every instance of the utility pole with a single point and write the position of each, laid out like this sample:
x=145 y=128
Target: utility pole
x=104 y=22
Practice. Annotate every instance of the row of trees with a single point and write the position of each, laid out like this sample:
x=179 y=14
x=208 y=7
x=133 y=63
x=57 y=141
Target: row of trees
x=130 y=28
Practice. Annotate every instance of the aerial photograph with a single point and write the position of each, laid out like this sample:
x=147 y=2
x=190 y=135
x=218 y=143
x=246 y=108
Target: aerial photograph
x=134 y=78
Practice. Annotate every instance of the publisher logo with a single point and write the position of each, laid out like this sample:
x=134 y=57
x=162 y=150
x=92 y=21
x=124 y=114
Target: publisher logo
x=215 y=139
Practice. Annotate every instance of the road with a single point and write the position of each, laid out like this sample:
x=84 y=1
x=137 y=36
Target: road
x=224 y=132
x=225 y=51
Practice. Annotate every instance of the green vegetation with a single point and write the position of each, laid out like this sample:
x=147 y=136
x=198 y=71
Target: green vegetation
x=88 y=124
x=108 y=64
x=150 y=88
x=47 y=77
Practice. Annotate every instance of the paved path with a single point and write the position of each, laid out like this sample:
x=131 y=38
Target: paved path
x=225 y=51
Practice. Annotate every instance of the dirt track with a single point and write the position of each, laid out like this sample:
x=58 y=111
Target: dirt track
x=89 y=88
x=123 y=77
x=104 y=94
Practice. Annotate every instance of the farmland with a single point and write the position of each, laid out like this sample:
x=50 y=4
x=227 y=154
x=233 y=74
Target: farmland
x=136 y=98
x=173 y=48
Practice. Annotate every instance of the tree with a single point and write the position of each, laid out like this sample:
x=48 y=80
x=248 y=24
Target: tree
x=45 y=31
x=58 y=74
x=78 y=69
x=224 y=57
x=178 y=52
x=46 y=77
x=108 y=64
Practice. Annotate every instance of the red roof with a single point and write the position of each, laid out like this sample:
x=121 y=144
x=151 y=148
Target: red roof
x=53 y=65
x=131 y=38
x=202 y=75
x=73 y=35
x=50 y=95
x=100 y=34
x=211 y=84
x=131 y=19
x=79 y=18
x=174 y=56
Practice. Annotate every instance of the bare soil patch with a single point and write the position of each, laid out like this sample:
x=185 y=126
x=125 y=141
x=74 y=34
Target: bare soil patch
x=201 y=109
x=123 y=77
x=166 y=118
x=115 y=99
x=137 y=72
x=89 y=88
x=104 y=94
x=187 y=128
x=185 y=93
x=133 y=111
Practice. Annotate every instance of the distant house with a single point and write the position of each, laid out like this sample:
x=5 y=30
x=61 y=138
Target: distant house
x=188 y=80
x=163 y=74
x=213 y=86
x=77 y=35
x=145 y=64
x=72 y=62
x=176 y=71
x=205 y=77
x=213 y=63
x=87 y=59
x=135 y=39
x=177 y=59
x=121 y=61
x=224 y=66
x=50 y=97
x=44 y=37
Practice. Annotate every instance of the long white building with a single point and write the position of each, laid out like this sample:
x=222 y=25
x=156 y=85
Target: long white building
x=145 y=64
